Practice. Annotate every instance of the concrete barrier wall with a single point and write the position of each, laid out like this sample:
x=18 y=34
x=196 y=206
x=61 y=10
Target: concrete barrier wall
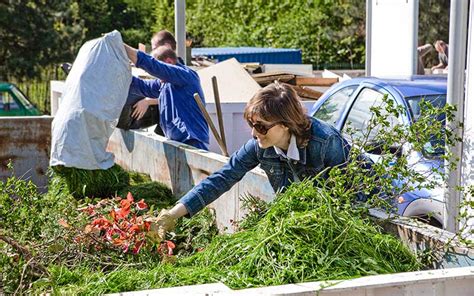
x=454 y=281
x=26 y=142
x=181 y=167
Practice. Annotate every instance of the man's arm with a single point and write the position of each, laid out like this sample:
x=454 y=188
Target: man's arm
x=167 y=72
x=145 y=87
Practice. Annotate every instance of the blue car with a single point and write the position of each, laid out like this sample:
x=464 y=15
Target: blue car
x=350 y=101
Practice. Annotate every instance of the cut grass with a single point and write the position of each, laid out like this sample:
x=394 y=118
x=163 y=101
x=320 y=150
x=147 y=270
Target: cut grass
x=93 y=183
x=306 y=235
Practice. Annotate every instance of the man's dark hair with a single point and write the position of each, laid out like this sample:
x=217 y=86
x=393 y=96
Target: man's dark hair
x=161 y=38
x=163 y=52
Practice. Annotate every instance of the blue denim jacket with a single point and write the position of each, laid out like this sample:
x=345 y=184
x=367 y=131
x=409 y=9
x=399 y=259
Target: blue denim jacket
x=180 y=116
x=326 y=148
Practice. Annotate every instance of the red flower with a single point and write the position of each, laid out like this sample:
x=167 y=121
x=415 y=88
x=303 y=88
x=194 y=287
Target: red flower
x=123 y=212
x=141 y=205
x=125 y=204
x=101 y=222
x=122 y=228
x=125 y=248
x=135 y=228
x=147 y=225
x=113 y=215
x=170 y=245
x=90 y=210
x=130 y=197
x=138 y=246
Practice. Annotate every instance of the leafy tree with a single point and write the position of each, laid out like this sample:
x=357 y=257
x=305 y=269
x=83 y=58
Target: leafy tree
x=133 y=18
x=37 y=34
x=326 y=31
x=34 y=34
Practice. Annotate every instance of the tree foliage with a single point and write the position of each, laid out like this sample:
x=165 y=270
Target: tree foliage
x=133 y=18
x=326 y=31
x=39 y=33
x=34 y=34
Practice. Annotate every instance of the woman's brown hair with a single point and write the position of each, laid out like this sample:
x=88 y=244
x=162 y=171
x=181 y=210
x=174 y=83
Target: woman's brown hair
x=278 y=102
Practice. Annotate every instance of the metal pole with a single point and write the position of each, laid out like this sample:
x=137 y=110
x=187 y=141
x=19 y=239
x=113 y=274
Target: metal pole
x=180 y=28
x=368 y=37
x=467 y=224
x=455 y=96
x=414 y=45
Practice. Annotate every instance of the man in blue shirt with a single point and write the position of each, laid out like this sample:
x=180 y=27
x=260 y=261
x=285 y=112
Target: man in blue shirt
x=180 y=117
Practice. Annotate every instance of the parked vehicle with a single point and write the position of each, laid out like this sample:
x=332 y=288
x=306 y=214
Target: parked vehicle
x=350 y=101
x=15 y=103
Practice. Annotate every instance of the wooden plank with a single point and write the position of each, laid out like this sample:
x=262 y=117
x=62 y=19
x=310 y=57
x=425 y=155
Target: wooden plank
x=296 y=69
x=235 y=84
x=269 y=77
x=315 y=81
x=307 y=93
x=219 y=110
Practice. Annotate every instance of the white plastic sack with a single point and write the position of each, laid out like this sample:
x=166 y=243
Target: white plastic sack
x=94 y=94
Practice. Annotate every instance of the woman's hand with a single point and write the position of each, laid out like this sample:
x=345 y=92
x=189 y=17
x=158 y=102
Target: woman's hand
x=159 y=226
x=166 y=221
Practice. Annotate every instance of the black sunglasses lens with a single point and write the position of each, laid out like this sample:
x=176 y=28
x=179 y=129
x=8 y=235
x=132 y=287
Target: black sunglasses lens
x=260 y=128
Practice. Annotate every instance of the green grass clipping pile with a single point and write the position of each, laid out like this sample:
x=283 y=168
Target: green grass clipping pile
x=305 y=235
x=92 y=183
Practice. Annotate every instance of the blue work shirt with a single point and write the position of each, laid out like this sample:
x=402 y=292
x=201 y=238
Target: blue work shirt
x=180 y=116
x=326 y=148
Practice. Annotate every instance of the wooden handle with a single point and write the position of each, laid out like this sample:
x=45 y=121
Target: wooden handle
x=197 y=98
x=219 y=110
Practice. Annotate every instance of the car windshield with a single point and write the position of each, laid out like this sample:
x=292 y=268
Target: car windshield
x=21 y=97
x=435 y=147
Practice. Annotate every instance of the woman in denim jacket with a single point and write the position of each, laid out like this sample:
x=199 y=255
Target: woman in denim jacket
x=287 y=144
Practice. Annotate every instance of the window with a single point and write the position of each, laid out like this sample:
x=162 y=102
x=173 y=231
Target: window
x=331 y=110
x=435 y=147
x=360 y=114
x=437 y=101
x=7 y=102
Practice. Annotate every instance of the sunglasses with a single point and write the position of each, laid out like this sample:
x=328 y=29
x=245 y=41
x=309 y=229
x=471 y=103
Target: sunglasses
x=261 y=128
